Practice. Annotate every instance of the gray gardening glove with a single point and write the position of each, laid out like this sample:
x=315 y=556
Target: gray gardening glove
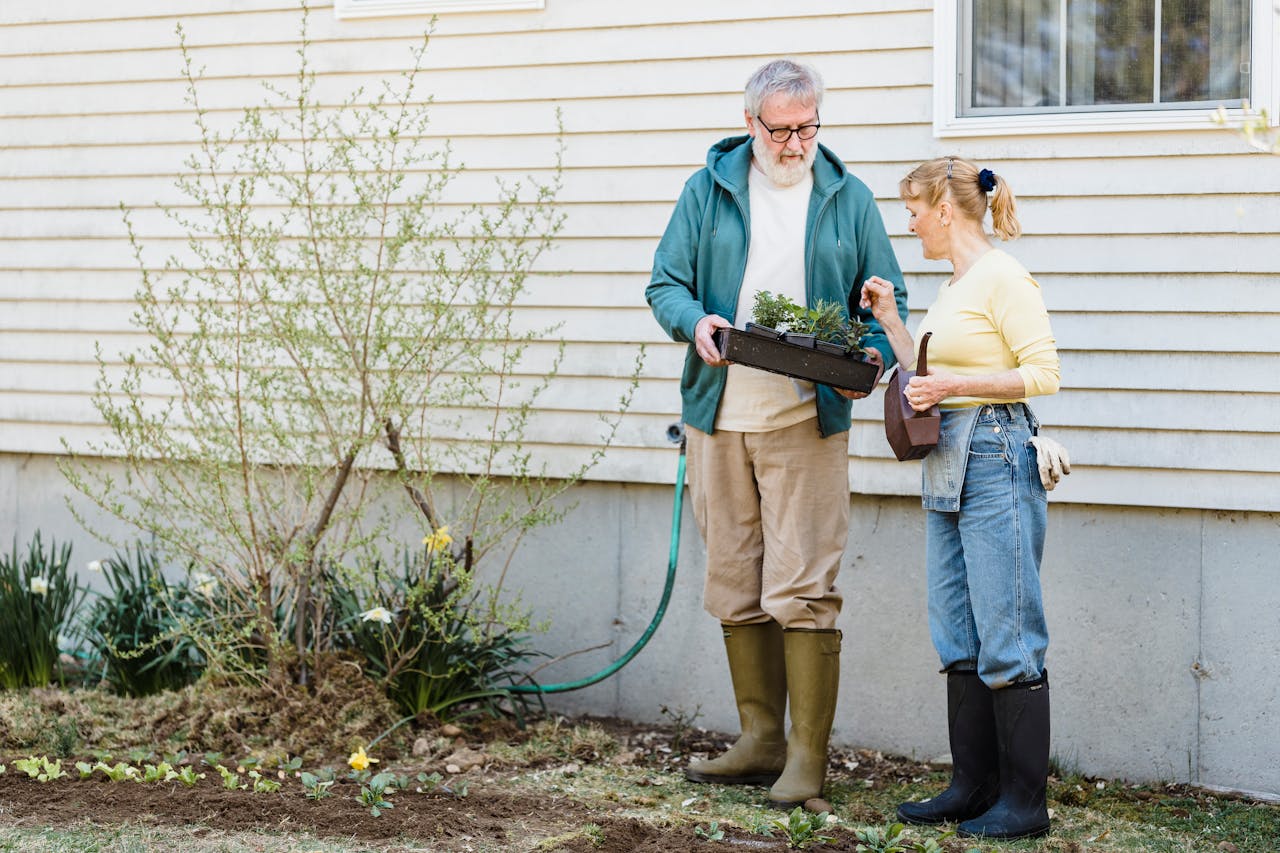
x=1053 y=460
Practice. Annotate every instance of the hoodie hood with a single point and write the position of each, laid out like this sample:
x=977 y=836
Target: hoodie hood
x=729 y=161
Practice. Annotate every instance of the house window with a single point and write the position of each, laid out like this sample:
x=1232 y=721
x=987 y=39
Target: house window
x=379 y=8
x=1059 y=64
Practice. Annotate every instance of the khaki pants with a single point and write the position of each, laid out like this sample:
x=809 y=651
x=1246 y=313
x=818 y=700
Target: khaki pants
x=773 y=508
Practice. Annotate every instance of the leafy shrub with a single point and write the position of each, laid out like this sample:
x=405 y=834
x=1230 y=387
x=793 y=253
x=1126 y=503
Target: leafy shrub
x=37 y=598
x=435 y=641
x=137 y=630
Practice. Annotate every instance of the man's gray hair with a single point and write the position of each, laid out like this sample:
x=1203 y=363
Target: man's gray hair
x=797 y=81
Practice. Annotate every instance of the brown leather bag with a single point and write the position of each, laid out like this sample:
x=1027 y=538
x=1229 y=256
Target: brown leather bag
x=911 y=434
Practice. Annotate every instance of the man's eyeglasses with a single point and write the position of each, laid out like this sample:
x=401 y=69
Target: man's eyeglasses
x=783 y=134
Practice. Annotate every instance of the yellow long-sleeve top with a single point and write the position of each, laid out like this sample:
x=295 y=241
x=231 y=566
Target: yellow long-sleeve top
x=992 y=319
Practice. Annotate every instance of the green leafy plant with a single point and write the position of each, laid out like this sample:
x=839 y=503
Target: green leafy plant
x=826 y=321
x=188 y=776
x=261 y=784
x=117 y=772
x=316 y=787
x=162 y=772
x=335 y=350
x=41 y=768
x=775 y=310
x=712 y=832
x=894 y=839
x=429 y=782
x=137 y=630
x=374 y=793
x=802 y=828
x=37 y=599
x=230 y=779
x=439 y=644
x=85 y=769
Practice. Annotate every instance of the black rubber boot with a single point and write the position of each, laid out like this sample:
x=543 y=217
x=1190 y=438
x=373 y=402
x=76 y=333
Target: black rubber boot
x=1022 y=730
x=757 y=665
x=975 y=768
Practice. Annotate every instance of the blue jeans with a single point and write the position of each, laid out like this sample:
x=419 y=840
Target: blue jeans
x=985 y=607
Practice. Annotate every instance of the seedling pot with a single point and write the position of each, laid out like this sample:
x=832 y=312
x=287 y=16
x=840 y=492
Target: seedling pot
x=816 y=361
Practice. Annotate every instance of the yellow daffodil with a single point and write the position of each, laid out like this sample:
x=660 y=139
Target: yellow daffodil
x=360 y=761
x=439 y=540
x=39 y=586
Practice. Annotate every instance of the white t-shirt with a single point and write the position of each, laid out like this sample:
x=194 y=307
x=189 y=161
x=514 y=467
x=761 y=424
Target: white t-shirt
x=756 y=400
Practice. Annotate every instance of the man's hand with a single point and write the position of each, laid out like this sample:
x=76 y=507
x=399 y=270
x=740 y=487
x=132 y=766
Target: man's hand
x=878 y=360
x=1052 y=459
x=703 y=342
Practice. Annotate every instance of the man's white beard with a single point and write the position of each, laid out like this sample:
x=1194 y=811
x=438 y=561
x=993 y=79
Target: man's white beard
x=785 y=171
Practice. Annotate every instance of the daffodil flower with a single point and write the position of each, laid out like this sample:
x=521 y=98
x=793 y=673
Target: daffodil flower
x=94 y=565
x=39 y=586
x=360 y=761
x=439 y=540
x=377 y=614
x=203 y=583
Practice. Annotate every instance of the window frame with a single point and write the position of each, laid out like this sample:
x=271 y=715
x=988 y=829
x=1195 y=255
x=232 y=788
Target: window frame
x=947 y=120
x=345 y=9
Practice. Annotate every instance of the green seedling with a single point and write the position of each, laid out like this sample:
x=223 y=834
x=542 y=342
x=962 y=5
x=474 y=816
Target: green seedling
x=263 y=785
x=803 y=828
x=427 y=784
x=316 y=787
x=892 y=839
x=85 y=768
x=710 y=833
x=230 y=779
x=162 y=772
x=188 y=776
x=40 y=768
x=117 y=772
x=374 y=794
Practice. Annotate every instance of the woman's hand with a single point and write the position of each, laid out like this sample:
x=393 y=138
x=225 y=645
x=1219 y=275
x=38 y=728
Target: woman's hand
x=924 y=392
x=878 y=297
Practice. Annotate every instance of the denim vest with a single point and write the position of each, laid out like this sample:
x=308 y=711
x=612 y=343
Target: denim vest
x=942 y=472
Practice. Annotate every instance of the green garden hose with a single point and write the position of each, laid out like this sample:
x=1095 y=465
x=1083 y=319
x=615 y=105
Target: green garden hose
x=675 y=434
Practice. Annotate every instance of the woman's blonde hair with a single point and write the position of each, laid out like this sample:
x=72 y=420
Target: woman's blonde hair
x=970 y=190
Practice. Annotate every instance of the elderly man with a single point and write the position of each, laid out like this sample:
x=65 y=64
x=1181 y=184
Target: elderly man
x=768 y=456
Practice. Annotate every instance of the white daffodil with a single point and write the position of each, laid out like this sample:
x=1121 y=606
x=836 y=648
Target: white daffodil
x=94 y=565
x=377 y=614
x=203 y=583
x=39 y=586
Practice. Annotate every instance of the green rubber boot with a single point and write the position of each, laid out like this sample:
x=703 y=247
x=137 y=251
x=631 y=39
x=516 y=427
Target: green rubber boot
x=757 y=667
x=813 y=681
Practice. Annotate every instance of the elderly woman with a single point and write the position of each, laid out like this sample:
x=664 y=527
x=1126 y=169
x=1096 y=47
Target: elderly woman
x=984 y=492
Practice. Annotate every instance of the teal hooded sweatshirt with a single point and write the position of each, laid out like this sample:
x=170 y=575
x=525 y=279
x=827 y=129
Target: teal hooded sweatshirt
x=700 y=262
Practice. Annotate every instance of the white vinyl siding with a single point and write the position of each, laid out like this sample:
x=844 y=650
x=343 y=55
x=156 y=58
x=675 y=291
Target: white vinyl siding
x=382 y=8
x=1157 y=251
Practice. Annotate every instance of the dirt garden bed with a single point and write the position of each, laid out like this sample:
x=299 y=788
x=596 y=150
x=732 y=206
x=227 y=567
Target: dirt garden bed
x=570 y=785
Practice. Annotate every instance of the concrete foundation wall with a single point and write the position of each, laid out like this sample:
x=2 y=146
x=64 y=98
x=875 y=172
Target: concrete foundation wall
x=1165 y=646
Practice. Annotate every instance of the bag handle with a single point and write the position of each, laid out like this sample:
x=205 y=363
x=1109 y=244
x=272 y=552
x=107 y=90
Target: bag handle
x=922 y=363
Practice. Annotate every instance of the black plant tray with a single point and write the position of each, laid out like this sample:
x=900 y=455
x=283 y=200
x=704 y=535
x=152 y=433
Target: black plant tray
x=798 y=356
